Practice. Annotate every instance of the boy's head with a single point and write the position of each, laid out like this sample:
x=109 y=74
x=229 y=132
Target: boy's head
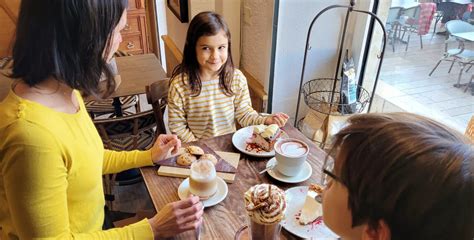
x=400 y=176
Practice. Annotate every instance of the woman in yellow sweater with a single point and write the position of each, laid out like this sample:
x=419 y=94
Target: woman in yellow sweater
x=51 y=156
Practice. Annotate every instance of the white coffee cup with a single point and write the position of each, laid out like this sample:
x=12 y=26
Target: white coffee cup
x=203 y=179
x=290 y=154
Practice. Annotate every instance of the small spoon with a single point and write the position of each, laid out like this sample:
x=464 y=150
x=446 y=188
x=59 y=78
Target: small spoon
x=267 y=169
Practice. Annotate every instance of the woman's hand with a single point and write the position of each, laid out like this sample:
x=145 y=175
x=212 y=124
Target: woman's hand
x=277 y=118
x=177 y=217
x=162 y=146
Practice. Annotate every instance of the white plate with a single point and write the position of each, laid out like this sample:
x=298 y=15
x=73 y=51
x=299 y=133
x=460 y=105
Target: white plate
x=304 y=174
x=183 y=192
x=239 y=139
x=295 y=198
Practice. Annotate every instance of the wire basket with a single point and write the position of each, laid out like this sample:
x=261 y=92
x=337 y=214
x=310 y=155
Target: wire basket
x=319 y=92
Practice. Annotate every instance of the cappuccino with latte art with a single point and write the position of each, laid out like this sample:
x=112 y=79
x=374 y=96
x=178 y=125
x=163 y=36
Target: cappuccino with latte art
x=290 y=154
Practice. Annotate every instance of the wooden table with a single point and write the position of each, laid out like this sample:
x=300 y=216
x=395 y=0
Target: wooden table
x=223 y=220
x=135 y=72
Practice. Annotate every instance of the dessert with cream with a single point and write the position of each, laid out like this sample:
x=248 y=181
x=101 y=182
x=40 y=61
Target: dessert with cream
x=312 y=209
x=265 y=205
x=265 y=136
x=202 y=180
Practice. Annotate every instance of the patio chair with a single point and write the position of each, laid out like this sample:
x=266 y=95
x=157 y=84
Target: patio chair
x=409 y=23
x=462 y=56
x=136 y=131
x=157 y=95
x=392 y=23
x=438 y=16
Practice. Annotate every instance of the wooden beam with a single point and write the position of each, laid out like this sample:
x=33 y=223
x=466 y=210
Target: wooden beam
x=257 y=92
x=172 y=53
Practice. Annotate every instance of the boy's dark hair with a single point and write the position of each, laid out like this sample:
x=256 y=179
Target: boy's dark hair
x=205 y=24
x=66 y=40
x=410 y=171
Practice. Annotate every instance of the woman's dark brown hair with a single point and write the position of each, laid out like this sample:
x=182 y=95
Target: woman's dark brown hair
x=204 y=24
x=67 y=40
x=410 y=171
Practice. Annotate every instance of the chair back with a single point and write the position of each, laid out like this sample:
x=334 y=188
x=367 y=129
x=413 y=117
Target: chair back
x=458 y=26
x=130 y=132
x=413 y=13
x=393 y=14
x=157 y=95
x=470 y=129
x=6 y=63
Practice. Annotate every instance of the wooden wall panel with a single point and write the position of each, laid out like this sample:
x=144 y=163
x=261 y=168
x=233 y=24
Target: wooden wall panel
x=8 y=17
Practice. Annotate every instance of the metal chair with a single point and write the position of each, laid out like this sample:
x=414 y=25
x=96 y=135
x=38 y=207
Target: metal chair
x=392 y=23
x=438 y=16
x=462 y=56
x=136 y=131
x=409 y=24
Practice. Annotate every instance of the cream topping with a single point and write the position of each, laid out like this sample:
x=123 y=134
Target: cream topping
x=259 y=128
x=265 y=203
x=270 y=131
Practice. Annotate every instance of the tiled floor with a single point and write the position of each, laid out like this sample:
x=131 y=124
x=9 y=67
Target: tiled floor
x=408 y=72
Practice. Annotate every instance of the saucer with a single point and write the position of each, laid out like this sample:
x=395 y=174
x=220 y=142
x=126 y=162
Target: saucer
x=221 y=193
x=304 y=174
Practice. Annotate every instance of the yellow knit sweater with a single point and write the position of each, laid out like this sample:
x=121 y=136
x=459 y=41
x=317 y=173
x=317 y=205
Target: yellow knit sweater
x=51 y=166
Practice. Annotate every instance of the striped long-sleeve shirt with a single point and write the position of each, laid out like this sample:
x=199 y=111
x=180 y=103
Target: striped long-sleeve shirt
x=211 y=113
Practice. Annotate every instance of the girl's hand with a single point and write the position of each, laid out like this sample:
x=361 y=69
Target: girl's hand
x=277 y=118
x=162 y=146
x=177 y=217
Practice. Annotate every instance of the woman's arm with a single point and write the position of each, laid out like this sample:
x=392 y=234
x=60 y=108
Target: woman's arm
x=118 y=161
x=35 y=179
x=177 y=116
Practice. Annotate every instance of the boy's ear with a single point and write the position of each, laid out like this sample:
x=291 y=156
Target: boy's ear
x=382 y=232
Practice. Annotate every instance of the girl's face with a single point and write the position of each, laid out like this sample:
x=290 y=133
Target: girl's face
x=336 y=213
x=116 y=37
x=212 y=52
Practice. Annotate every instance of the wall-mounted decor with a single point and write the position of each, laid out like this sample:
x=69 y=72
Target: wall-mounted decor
x=179 y=8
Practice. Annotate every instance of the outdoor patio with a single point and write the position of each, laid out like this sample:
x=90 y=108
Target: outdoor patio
x=408 y=72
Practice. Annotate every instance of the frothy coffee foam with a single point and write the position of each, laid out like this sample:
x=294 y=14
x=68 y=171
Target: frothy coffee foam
x=292 y=149
x=203 y=170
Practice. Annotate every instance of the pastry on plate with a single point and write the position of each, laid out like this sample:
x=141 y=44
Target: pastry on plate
x=312 y=208
x=266 y=136
x=185 y=159
x=209 y=157
x=195 y=150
